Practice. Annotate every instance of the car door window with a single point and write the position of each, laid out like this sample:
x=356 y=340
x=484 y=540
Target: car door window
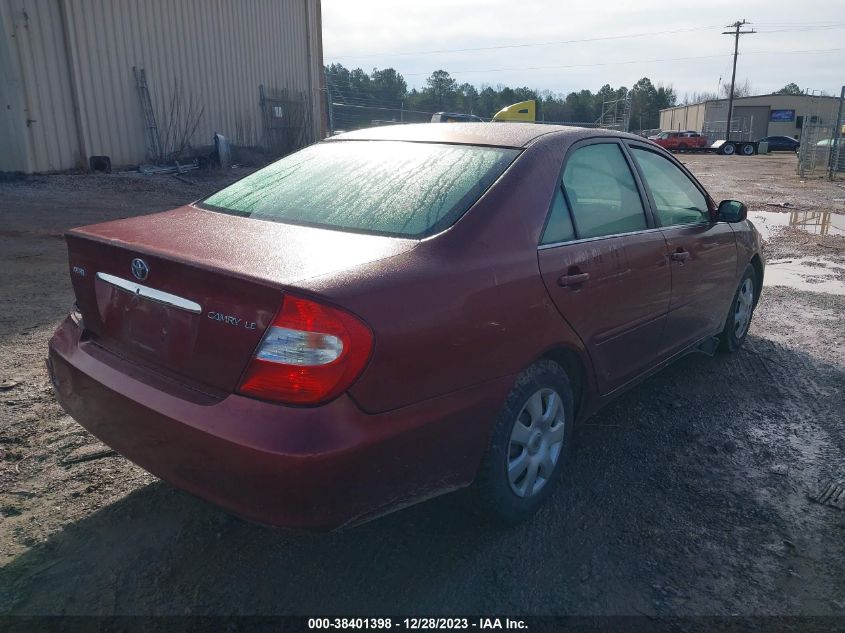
x=676 y=198
x=559 y=227
x=602 y=192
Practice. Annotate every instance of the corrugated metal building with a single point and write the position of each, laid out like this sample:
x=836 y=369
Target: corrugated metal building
x=68 y=90
x=754 y=117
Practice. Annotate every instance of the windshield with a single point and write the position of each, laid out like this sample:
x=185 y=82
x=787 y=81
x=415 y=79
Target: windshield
x=380 y=187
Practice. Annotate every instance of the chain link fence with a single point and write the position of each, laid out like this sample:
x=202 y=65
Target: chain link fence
x=741 y=129
x=820 y=153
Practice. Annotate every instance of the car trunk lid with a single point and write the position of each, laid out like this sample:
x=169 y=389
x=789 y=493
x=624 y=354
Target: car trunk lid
x=191 y=292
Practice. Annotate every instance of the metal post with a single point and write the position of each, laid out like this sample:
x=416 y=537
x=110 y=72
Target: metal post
x=837 y=137
x=330 y=105
x=733 y=83
x=736 y=33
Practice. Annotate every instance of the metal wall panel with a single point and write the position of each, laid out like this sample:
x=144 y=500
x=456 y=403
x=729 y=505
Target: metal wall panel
x=689 y=117
x=76 y=57
x=14 y=153
x=215 y=53
x=36 y=41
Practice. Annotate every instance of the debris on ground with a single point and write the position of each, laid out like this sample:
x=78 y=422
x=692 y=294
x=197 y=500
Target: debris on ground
x=779 y=469
x=176 y=168
x=830 y=494
x=87 y=454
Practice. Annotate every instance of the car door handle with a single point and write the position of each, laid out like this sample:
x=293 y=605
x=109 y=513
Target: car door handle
x=573 y=279
x=680 y=256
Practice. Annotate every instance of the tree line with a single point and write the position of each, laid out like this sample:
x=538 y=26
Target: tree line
x=741 y=89
x=385 y=91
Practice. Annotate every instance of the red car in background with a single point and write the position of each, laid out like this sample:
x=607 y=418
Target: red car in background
x=396 y=313
x=678 y=141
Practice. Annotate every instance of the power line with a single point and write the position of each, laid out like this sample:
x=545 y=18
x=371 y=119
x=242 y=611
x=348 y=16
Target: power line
x=528 y=44
x=816 y=23
x=804 y=30
x=794 y=27
x=623 y=62
x=593 y=65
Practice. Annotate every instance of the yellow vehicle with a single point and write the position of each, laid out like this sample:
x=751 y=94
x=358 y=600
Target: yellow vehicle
x=525 y=111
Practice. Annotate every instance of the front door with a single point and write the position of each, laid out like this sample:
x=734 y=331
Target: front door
x=702 y=253
x=604 y=265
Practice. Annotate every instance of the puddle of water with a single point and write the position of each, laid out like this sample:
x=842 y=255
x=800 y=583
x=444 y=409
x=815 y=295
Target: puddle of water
x=805 y=273
x=812 y=274
x=815 y=222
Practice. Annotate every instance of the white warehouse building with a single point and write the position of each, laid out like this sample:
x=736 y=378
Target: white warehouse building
x=753 y=118
x=71 y=75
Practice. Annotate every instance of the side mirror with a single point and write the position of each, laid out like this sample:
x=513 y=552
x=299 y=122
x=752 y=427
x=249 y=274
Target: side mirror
x=732 y=211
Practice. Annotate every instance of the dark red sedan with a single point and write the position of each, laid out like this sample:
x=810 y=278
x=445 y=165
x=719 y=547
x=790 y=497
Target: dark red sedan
x=396 y=313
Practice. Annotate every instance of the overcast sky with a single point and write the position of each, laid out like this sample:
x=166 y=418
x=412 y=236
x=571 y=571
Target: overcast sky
x=393 y=33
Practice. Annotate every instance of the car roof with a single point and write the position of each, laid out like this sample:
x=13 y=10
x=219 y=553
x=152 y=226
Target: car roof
x=499 y=134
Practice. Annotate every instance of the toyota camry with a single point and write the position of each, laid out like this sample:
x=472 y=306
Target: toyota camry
x=395 y=313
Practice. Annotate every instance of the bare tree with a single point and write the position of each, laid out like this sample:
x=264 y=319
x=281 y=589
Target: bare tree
x=178 y=127
x=741 y=89
x=699 y=97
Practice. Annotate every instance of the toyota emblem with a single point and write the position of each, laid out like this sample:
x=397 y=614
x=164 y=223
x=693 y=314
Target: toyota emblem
x=140 y=270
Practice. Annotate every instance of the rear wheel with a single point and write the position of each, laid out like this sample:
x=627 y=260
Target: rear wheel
x=530 y=445
x=728 y=149
x=742 y=309
x=747 y=150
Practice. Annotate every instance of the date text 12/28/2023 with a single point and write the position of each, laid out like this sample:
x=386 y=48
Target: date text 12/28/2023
x=414 y=624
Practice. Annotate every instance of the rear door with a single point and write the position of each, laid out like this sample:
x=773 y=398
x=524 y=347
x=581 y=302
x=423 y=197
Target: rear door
x=702 y=252
x=604 y=263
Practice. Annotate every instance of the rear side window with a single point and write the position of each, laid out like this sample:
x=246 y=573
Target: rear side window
x=602 y=192
x=677 y=199
x=379 y=187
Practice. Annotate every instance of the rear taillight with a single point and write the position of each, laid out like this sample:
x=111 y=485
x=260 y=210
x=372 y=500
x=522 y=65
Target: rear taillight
x=311 y=353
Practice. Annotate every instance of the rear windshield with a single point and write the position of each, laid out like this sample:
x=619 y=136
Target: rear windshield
x=380 y=187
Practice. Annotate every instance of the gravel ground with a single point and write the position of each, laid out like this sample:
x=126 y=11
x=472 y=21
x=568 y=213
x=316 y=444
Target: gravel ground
x=689 y=495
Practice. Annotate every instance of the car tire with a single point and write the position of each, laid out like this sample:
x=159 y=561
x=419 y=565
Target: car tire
x=522 y=465
x=747 y=149
x=728 y=149
x=739 y=317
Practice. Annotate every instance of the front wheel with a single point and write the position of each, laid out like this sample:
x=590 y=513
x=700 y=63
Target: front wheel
x=742 y=309
x=530 y=445
x=728 y=149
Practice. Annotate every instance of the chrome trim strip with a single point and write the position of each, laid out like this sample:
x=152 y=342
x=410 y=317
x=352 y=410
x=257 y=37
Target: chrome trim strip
x=152 y=294
x=543 y=247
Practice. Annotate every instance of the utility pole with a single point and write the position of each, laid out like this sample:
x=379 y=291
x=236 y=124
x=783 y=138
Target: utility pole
x=736 y=26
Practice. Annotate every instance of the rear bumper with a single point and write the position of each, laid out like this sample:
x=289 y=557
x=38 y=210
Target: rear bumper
x=317 y=468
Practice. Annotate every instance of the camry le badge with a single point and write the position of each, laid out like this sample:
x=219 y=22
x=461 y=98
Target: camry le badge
x=140 y=270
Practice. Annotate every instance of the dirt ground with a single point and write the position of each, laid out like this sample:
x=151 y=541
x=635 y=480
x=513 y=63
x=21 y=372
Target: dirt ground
x=690 y=494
